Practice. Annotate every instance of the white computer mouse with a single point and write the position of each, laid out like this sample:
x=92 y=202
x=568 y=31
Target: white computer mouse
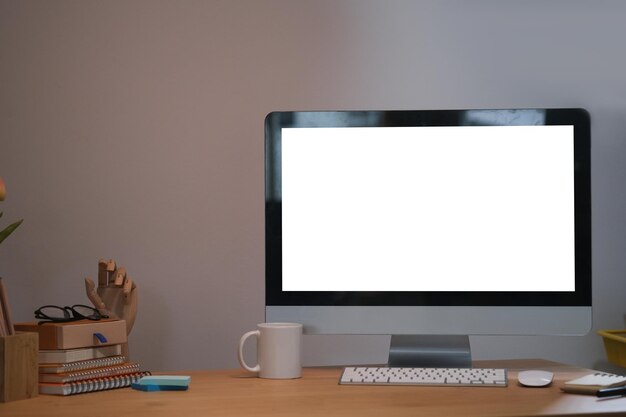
x=535 y=378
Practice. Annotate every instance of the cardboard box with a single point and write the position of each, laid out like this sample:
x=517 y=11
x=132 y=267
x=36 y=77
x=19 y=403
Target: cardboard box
x=18 y=366
x=77 y=334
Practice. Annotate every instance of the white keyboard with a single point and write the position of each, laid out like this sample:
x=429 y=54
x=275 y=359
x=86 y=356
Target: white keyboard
x=448 y=377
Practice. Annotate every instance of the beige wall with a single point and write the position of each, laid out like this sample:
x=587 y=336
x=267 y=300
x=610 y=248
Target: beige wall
x=134 y=130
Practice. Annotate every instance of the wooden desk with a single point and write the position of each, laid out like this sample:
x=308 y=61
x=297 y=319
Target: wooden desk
x=237 y=393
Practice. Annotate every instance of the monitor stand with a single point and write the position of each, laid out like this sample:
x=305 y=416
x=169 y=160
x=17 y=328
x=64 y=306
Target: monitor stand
x=430 y=351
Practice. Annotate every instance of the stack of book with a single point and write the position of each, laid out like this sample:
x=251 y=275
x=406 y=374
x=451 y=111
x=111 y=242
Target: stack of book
x=592 y=384
x=83 y=356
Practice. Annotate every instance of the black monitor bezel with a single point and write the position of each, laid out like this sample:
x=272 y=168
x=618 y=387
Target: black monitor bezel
x=274 y=295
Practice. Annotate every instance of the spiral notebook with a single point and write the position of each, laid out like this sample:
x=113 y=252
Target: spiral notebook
x=91 y=385
x=62 y=378
x=592 y=383
x=56 y=368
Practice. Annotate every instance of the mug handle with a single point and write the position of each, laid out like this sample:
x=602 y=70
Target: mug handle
x=243 y=364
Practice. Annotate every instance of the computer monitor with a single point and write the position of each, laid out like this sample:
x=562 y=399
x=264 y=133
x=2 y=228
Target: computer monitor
x=442 y=223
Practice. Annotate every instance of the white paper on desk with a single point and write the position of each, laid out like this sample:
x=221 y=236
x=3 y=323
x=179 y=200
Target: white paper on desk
x=599 y=380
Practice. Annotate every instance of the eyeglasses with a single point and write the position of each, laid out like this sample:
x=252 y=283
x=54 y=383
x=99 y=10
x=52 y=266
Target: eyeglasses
x=56 y=314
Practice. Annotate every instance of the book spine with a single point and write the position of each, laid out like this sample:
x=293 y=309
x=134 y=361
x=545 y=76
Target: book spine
x=580 y=389
x=74 y=355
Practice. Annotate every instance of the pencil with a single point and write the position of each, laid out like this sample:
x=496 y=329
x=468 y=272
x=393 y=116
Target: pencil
x=3 y=329
x=6 y=311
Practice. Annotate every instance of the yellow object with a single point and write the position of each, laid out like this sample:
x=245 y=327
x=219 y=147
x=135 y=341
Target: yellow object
x=615 y=346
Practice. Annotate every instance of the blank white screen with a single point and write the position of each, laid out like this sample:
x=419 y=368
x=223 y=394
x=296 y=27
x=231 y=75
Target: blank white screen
x=472 y=208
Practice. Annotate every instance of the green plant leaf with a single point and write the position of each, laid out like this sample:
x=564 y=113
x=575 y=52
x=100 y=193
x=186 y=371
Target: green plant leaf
x=9 y=229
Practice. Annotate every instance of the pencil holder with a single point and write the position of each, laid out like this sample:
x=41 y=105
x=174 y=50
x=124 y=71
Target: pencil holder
x=18 y=366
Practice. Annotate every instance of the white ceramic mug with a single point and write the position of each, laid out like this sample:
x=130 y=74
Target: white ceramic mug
x=278 y=350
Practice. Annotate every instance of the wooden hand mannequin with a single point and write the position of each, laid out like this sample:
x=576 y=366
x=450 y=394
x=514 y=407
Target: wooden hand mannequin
x=116 y=295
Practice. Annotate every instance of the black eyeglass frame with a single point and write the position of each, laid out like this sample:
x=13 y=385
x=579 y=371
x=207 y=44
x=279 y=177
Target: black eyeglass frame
x=69 y=313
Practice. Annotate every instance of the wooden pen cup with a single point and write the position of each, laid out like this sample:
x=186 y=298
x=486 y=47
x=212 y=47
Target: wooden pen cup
x=19 y=367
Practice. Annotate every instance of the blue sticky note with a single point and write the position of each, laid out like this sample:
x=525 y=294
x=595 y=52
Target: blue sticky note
x=152 y=387
x=166 y=380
